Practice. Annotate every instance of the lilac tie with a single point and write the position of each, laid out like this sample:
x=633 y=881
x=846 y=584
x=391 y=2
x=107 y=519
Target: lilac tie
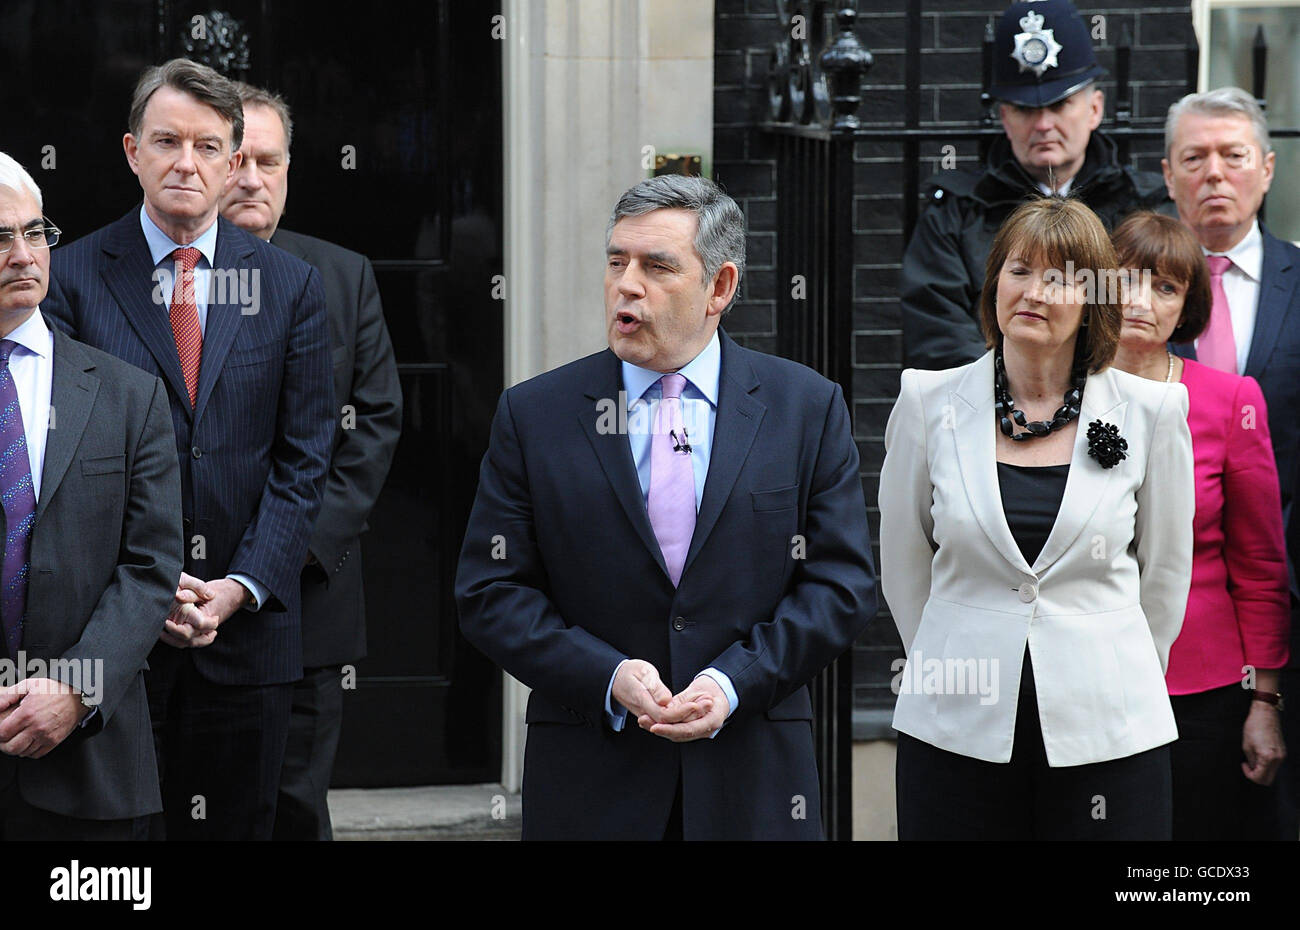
x=1217 y=347
x=672 y=479
x=19 y=500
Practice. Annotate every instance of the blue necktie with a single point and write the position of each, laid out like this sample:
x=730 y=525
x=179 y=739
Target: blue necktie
x=19 y=499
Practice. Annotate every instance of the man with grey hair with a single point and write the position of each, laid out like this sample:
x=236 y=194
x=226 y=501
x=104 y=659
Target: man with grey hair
x=92 y=551
x=668 y=542
x=237 y=330
x=1218 y=166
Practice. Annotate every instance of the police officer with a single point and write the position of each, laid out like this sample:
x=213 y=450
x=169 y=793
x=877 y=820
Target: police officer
x=1044 y=71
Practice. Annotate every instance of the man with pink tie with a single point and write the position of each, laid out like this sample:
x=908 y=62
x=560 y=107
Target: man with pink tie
x=1218 y=166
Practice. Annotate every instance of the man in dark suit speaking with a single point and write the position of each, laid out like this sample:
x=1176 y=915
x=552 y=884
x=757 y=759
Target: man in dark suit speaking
x=236 y=329
x=368 y=401
x=92 y=549
x=668 y=542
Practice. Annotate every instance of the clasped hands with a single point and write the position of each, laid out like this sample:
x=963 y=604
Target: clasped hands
x=694 y=713
x=37 y=714
x=198 y=608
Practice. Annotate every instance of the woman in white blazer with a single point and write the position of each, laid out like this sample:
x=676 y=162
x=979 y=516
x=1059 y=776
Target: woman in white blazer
x=1036 y=514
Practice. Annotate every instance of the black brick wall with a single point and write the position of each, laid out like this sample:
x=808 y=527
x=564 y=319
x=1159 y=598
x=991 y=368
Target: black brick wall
x=744 y=163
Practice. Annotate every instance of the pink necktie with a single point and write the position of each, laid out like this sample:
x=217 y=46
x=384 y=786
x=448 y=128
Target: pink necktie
x=1217 y=347
x=672 y=479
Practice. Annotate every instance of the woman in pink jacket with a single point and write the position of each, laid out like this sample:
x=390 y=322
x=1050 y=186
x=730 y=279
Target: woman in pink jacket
x=1223 y=668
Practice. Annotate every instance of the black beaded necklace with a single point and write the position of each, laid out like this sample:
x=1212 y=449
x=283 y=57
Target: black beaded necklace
x=1006 y=408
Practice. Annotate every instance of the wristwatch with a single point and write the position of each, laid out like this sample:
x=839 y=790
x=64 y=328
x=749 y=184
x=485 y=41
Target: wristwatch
x=1268 y=697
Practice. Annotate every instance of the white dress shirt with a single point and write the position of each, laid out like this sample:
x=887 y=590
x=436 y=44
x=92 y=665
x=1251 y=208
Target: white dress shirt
x=31 y=365
x=1241 y=287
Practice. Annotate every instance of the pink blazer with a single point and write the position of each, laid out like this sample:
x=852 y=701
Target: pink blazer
x=1238 y=608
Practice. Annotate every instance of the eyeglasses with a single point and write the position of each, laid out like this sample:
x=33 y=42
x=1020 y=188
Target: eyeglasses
x=38 y=237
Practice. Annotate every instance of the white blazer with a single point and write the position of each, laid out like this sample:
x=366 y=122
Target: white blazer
x=1098 y=609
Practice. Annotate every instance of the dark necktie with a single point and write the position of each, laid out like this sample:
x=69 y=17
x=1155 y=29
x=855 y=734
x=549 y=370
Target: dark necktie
x=19 y=500
x=185 y=320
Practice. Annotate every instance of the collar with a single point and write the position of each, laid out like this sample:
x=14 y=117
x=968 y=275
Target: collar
x=1005 y=179
x=703 y=372
x=974 y=385
x=161 y=245
x=33 y=335
x=1248 y=254
x=1063 y=192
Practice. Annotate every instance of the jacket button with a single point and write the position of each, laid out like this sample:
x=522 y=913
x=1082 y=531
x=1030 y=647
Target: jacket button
x=1028 y=592
x=187 y=522
x=196 y=452
x=679 y=624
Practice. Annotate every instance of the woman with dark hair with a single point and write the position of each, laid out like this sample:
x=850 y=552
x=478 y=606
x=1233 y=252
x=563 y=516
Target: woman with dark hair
x=1036 y=526
x=1223 y=668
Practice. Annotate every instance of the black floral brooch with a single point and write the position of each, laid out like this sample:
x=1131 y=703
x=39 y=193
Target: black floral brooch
x=1105 y=444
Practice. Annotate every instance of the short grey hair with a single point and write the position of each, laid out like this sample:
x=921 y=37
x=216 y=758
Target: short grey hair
x=1223 y=101
x=15 y=177
x=719 y=224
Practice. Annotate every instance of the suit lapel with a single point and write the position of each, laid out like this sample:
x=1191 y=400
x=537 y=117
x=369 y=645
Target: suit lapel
x=225 y=314
x=735 y=426
x=973 y=432
x=72 y=396
x=614 y=452
x=1277 y=281
x=1086 y=484
x=129 y=278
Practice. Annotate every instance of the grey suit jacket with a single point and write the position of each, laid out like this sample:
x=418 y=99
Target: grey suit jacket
x=106 y=553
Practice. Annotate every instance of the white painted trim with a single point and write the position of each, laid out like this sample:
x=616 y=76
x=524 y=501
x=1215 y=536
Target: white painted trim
x=520 y=305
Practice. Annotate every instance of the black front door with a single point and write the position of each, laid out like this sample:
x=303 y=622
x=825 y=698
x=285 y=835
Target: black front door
x=397 y=154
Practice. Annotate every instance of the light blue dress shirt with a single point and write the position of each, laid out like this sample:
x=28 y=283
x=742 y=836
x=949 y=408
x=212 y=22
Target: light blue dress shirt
x=699 y=413
x=161 y=248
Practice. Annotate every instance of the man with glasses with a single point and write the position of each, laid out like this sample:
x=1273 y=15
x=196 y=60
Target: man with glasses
x=367 y=388
x=237 y=330
x=92 y=549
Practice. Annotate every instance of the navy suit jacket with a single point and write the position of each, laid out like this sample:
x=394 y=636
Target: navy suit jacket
x=561 y=577
x=254 y=448
x=365 y=379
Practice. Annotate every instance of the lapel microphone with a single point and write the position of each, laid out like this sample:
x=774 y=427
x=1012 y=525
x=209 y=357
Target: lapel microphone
x=680 y=445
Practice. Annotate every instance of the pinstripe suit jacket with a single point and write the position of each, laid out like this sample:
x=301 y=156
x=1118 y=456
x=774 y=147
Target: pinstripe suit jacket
x=254 y=448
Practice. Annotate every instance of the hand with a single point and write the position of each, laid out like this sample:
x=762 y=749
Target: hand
x=637 y=687
x=693 y=714
x=186 y=626
x=1261 y=741
x=39 y=713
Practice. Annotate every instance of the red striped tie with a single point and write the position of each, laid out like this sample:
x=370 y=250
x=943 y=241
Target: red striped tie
x=185 y=320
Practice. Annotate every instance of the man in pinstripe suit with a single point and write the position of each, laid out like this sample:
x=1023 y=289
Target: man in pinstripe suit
x=237 y=331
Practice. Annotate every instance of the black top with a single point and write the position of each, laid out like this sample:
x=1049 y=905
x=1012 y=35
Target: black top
x=1031 y=496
